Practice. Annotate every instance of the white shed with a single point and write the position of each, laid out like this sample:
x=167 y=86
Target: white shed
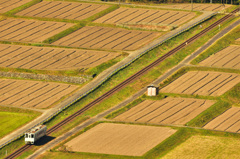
x=151 y=90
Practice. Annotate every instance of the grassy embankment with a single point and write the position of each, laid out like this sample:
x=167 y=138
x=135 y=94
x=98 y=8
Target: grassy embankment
x=13 y=118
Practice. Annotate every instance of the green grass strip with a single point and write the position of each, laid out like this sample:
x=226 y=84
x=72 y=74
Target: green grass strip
x=219 y=45
x=18 y=9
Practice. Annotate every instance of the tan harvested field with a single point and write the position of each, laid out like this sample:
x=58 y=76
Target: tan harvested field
x=119 y=139
x=227 y=58
x=167 y=111
x=199 y=7
x=30 y=30
x=63 y=10
x=203 y=147
x=107 y=38
x=48 y=58
x=32 y=94
x=7 y=5
x=228 y=121
x=203 y=83
x=148 y=16
x=238 y=39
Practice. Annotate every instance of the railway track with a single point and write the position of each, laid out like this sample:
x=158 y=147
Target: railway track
x=124 y=83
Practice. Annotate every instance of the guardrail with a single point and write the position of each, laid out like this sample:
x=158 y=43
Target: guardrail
x=107 y=77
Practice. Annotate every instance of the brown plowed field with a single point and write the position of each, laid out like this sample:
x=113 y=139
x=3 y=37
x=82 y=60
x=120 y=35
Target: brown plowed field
x=33 y=94
x=166 y=111
x=227 y=58
x=30 y=30
x=119 y=139
x=134 y=15
x=199 y=7
x=7 y=5
x=203 y=83
x=228 y=121
x=63 y=10
x=47 y=58
x=107 y=38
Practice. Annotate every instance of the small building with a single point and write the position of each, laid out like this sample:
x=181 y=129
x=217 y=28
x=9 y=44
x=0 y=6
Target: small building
x=152 y=90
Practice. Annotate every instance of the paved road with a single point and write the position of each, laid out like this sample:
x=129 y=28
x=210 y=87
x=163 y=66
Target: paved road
x=100 y=116
x=102 y=77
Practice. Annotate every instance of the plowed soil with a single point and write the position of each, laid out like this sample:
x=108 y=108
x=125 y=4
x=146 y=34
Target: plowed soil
x=228 y=121
x=227 y=58
x=46 y=58
x=63 y=10
x=7 y=5
x=30 y=30
x=203 y=83
x=199 y=7
x=33 y=94
x=166 y=111
x=119 y=139
x=147 y=16
x=107 y=38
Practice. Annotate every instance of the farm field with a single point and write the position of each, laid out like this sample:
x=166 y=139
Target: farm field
x=107 y=38
x=228 y=121
x=32 y=94
x=12 y=120
x=203 y=83
x=63 y=10
x=146 y=16
x=199 y=7
x=7 y=5
x=202 y=147
x=227 y=58
x=238 y=39
x=177 y=111
x=49 y=58
x=30 y=30
x=119 y=139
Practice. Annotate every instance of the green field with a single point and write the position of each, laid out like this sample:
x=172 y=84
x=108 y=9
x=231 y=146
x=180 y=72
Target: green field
x=12 y=118
x=202 y=147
